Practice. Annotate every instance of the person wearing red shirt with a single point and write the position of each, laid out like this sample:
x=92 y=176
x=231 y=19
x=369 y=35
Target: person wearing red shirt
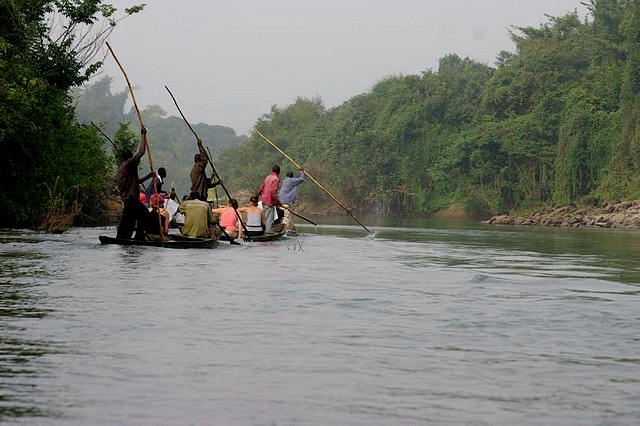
x=269 y=196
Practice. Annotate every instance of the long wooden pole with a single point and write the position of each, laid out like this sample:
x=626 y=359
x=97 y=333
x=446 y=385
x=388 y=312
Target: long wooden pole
x=135 y=105
x=103 y=134
x=215 y=175
x=300 y=216
x=231 y=240
x=311 y=178
x=255 y=188
x=143 y=130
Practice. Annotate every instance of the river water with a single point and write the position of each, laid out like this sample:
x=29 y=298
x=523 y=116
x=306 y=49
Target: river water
x=443 y=323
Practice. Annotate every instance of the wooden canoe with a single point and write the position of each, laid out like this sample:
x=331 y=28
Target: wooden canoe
x=279 y=231
x=172 y=241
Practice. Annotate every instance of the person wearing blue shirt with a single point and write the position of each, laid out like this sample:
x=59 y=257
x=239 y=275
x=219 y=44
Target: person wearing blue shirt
x=288 y=194
x=155 y=187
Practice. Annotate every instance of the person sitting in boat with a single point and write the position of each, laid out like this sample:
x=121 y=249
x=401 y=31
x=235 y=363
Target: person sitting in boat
x=158 y=220
x=228 y=217
x=155 y=186
x=198 y=218
x=255 y=222
x=171 y=204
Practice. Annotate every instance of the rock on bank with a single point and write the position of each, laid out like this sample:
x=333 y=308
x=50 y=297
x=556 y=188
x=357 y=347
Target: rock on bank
x=625 y=214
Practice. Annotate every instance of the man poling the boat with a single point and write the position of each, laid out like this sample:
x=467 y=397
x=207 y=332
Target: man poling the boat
x=312 y=179
x=288 y=194
x=134 y=213
x=199 y=180
x=129 y=178
x=203 y=155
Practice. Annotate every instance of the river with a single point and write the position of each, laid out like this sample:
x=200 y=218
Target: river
x=443 y=323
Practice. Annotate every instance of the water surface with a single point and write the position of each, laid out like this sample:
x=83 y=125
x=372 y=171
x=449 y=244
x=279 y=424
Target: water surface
x=423 y=323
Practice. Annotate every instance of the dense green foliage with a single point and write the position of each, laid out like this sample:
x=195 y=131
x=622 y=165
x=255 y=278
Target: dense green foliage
x=555 y=122
x=54 y=163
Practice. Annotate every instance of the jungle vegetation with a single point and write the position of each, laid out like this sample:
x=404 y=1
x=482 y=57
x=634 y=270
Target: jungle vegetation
x=53 y=168
x=556 y=121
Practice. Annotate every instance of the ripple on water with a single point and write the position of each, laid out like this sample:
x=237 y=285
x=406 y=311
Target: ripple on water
x=460 y=326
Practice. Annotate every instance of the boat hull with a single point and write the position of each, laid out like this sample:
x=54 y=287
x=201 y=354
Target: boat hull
x=172 y=241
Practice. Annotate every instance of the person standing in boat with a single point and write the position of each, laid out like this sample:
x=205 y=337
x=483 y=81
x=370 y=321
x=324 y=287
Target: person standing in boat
x=134 y=213
x=254 y=222
x=199 y=180
x=198 y=218
x=268 y=191
x=288 y=195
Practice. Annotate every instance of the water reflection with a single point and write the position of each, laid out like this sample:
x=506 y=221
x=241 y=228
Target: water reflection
x=22 y=270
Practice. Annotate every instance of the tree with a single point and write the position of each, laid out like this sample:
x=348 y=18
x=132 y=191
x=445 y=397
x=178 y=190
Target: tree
x=57 y=164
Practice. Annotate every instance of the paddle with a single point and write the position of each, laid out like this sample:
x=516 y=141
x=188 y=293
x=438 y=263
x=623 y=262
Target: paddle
x=215 y=174
x=312 y=179
x=143 y=129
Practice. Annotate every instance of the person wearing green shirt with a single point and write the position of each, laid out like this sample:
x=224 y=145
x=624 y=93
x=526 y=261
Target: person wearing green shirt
x=198 y=217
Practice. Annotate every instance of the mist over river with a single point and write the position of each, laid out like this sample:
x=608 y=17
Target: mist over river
x=443 y=323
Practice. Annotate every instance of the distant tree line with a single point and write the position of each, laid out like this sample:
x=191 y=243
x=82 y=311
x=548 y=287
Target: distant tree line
x=172 y=143
x=555 y=122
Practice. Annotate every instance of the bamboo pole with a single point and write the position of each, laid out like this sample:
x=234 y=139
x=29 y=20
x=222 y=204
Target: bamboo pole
x=103 y=134
x=300 y=216
x=215 y=173
x=135 y=105
x=312 y=179
x=143 y=130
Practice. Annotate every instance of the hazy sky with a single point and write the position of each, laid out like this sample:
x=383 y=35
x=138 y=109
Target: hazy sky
x=227 y=62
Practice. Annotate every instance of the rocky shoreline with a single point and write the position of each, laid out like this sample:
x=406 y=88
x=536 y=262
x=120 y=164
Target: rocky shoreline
x=624 y=214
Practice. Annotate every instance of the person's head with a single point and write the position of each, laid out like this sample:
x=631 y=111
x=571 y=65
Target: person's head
x=162 y=172
x=253 y=200
x=143 y=198
x=126 y=154
x=194 y=195
x=197 y=158
x=157 y=200
x=276 y=169
x=233 y=203
x=289 y=174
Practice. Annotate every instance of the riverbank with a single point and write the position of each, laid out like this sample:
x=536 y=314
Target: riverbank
x=625 y=214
